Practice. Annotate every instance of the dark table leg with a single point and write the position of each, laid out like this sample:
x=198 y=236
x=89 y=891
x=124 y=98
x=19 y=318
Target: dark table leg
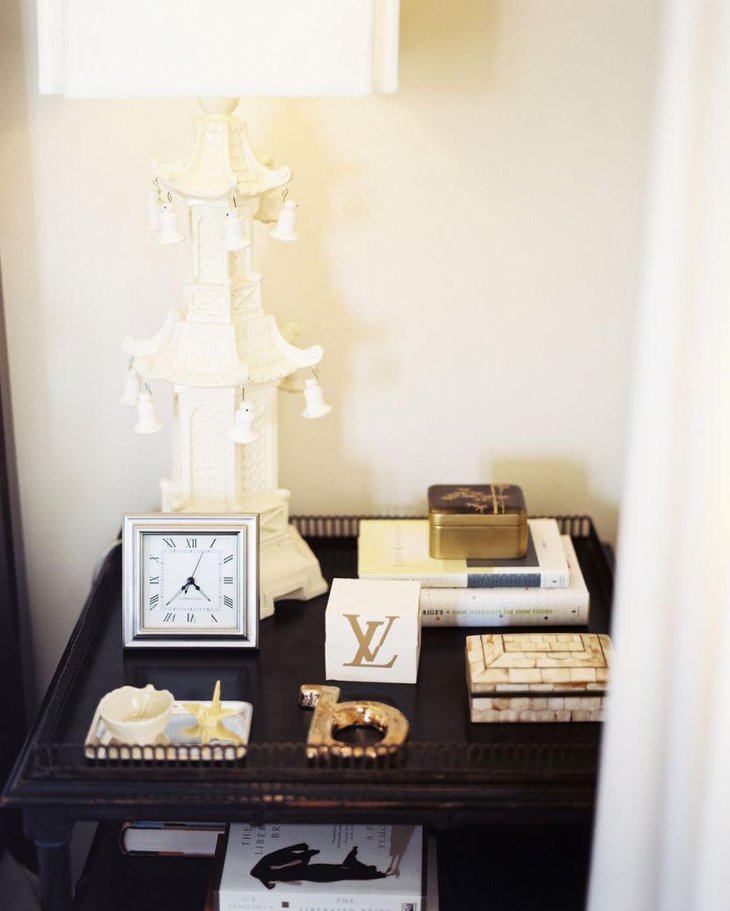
x=49 y=829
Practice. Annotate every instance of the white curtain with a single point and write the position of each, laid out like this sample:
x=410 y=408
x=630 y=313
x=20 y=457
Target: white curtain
x=663 y=826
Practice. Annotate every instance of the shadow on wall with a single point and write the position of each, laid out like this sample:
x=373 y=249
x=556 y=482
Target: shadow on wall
x=557 y=487
x=301 y=289
x=460 y=34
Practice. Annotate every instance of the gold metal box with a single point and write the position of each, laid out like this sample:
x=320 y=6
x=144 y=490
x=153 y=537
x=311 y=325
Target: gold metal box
x=477 y=521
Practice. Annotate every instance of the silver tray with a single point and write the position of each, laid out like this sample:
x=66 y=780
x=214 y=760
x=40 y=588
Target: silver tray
x=173 y=744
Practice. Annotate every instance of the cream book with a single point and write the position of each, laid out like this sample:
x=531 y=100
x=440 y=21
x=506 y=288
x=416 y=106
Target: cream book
x=398 y=549
x=511 y=606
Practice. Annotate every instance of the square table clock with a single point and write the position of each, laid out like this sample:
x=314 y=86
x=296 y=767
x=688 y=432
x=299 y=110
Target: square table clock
x=190 y=581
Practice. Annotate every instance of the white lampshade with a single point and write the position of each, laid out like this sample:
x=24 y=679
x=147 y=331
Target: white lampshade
x=220 y=48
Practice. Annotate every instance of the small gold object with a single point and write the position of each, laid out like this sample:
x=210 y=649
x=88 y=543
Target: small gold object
x=331 y=716
x=210 y=719
x=477 y=521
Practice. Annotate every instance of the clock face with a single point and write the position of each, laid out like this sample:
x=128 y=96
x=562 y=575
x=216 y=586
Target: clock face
x=191 y=581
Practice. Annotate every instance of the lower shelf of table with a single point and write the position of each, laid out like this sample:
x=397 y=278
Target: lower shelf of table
x=500 y=867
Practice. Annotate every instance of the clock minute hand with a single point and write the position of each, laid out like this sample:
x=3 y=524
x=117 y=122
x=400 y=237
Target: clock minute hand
x=183 y=588
x=192 y=574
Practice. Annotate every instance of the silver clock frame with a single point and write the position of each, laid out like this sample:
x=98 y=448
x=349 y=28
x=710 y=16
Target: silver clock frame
x=245 y=526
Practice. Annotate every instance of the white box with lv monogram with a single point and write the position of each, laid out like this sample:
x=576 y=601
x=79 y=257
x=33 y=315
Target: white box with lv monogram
x=373 y=631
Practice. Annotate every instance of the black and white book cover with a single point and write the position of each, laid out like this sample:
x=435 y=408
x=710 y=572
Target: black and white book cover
x=322 y=868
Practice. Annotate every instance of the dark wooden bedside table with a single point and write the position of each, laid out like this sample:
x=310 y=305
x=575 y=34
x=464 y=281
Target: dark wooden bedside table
x=454 y=774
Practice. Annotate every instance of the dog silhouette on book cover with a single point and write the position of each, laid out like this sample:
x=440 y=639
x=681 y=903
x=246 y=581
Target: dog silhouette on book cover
x=292 y=865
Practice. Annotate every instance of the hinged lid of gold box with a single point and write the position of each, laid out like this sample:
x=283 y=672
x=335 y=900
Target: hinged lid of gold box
x=476 y=504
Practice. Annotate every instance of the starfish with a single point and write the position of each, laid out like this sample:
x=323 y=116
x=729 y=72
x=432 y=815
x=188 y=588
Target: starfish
x=210 y=719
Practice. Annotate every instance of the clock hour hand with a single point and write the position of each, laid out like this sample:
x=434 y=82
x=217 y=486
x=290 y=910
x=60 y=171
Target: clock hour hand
x=195 y=585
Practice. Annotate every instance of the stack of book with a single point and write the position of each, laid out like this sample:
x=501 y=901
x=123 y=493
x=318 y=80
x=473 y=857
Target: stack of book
x=544 y=588
x=301 y=867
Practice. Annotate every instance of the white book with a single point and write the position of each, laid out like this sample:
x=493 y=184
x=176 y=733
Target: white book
x=322 y=867
x=398 y=549
x=510 y=606
x=191 y=839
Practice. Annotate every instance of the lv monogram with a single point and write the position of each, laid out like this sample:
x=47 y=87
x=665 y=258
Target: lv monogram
x=366 y=653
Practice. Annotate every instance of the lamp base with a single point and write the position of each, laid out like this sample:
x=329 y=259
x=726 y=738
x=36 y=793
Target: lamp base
x=288 y=569
x=287 y=566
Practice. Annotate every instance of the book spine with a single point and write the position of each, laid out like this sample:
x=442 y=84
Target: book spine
x=164 y=839
x=504 y=580
x=516 y=607
x=456 y=580
x=483 y=579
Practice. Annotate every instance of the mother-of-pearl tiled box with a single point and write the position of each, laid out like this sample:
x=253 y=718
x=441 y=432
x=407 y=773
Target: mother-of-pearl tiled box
x=537 y=676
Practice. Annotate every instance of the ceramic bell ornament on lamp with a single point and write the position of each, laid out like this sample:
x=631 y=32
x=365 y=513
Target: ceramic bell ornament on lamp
x=131 y=387
x=235 y=239
x=314 y=403
x=148 y=420
x=286 y=225
x=170 y=232
x=242 y=430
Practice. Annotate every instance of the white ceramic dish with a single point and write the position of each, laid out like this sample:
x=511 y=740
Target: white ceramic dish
x=136 y=715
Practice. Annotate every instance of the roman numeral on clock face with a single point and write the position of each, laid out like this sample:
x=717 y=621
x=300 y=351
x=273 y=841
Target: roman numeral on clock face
x=154 y=600
x=228 y=580
x=228 y=559
x=191 y=618
x=227 y=601
x=191 y=542
x=169 y=617
x=154 y=580
x=169 y=542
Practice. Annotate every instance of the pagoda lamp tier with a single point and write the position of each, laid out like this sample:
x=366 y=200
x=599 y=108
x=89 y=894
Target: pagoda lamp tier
x=246 y=351
x=220 y=163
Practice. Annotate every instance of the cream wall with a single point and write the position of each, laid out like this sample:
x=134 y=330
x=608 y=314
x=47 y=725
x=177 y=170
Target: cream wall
x=469 y=260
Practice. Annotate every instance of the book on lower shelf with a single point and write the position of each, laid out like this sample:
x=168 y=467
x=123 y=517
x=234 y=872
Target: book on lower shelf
x=398 y=549
x=177 y=839
x=322 y=867
x=568 y=606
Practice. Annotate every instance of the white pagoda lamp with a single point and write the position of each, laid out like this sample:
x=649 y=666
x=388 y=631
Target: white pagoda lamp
x=222 y=338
